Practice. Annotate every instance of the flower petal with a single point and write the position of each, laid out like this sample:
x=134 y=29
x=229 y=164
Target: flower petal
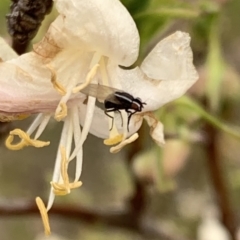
x=165 y=74
x=171 y=59
x=104 y=26
x=6 y=52
x=26 y=81
x=156 y=129
x=25 y=91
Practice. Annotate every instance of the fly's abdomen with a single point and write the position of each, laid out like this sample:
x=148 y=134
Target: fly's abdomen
x=111 y=105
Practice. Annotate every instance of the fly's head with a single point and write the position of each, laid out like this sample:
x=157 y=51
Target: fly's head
x=137 y=104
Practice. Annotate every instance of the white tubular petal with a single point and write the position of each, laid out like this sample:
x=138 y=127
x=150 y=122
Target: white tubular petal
x=156 y=129
x=25 y=86
x=104 y=26
x=6 y=52
x=100 y=127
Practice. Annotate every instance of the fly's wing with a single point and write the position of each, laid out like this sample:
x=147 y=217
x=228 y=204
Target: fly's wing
x=101 y=92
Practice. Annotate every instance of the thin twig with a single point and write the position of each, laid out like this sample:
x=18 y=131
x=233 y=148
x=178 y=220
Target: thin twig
x=120 y=219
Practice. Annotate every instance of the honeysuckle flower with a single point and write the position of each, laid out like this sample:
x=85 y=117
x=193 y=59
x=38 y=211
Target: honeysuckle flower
x=87 y=43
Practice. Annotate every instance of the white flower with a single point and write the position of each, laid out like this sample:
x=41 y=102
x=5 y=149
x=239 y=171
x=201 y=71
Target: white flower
x=87 y=43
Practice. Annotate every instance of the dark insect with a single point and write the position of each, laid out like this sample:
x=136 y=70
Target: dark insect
x=25 y=18
x=115 y=100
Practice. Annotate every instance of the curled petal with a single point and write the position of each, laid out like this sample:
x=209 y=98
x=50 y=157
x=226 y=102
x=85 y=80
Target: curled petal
x=171 y=59
x=166 y=73
x=156 y=129
x=104 y=26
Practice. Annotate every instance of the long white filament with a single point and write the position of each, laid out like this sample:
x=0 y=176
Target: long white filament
x=42 y=125
x=57 y=167
x=35 y=124
x=86 y=126
x=77 y=138
x=89 y=114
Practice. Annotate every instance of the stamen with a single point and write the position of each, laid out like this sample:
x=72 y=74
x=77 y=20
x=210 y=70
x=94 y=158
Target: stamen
x=59 y=189
x=42 y=126
x=77 y=137
x=86 y=126
x=65 y=187
x=26 y=140
x=62 y=113
x=44 y=215
x=57 y=167
x=9 y=118
x=54 y=81
x=114 y=136
x=89 y=78
x=113 y=140
x=117 y=148
x=104 y=72
x=35 y=123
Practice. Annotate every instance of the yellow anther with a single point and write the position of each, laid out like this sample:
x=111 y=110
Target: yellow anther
x=89 y=78
x=54 y=81
x=60 y=189
x=44 y=215
x=65 y=187
x=60 y=192
x=9 y=118
x=62 y=113
x=25 y=140
x=64 y=168
x=114 y=140
x=117 y=148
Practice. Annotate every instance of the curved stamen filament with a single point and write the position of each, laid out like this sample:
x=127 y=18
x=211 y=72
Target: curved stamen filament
x=77 y=137
x=91 y=74
x=65 y=187
x=42 y=126
x=57 y=167
x=87 y=125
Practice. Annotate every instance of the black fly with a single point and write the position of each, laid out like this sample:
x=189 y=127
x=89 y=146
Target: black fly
x=115 y=100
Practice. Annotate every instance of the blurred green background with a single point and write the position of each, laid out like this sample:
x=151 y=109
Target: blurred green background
x=198 y=169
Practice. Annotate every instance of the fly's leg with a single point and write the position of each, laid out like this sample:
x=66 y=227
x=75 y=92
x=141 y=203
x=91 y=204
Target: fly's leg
x=106 y=112
x=129 y=117
x=120 y=115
